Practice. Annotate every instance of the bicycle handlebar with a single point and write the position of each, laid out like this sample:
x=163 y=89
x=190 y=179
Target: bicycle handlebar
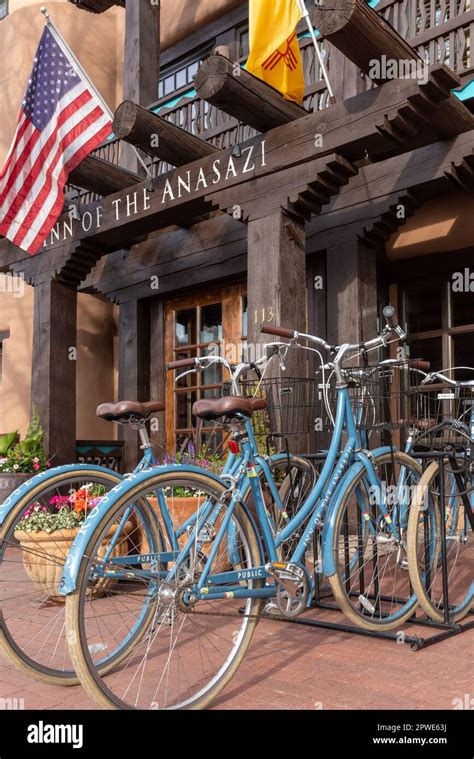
x=420 y=364
x=270 y=329
x=182 y=364
x=392 y=327
x=390 y=317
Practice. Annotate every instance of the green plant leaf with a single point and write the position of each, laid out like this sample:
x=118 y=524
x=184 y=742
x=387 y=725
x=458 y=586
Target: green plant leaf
x=6 y=441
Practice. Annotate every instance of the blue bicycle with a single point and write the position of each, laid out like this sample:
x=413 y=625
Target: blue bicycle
x=177 y=623
x=32 y=622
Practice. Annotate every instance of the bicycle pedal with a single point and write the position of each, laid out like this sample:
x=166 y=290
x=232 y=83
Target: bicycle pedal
x=271 y=609
x=290 y=576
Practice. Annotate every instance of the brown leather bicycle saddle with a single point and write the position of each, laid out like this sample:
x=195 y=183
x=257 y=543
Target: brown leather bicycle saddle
x=228 y=406
x=126 y=410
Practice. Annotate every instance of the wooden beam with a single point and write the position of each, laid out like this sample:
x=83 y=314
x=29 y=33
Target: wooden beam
x=102 y=177
x=204 y=252
x=360 y=33
x=97 y=6
x=240 y=94
x=349 y=128
x=157 y=136
x=370 y=194
x=366 y=37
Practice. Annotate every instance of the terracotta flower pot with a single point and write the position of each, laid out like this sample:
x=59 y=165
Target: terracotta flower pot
x=181 y=509
x=45 y=553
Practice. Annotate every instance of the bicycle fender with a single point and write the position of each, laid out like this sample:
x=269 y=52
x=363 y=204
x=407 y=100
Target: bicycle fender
x=328 y=558
x=38 y=479
x=329 y=521
x=73 y=561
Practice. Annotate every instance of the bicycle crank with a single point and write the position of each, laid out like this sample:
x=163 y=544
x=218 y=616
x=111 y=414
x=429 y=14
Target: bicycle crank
x=293 y=587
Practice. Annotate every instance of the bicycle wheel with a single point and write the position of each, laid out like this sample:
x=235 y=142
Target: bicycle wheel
x=32 y=619
x=425 y=536
x=371 y=583
x=188 y=649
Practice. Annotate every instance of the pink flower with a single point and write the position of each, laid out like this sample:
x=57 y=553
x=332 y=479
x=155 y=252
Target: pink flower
x=36 y=467
x=59 y=501
x=36 y=460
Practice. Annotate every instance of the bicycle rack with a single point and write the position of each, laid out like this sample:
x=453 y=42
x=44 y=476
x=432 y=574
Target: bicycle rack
x=447 y=629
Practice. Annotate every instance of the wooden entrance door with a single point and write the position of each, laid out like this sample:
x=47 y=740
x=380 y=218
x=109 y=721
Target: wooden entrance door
x=200 y=325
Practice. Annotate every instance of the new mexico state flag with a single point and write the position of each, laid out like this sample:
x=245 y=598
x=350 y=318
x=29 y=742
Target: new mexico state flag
x=274 y=50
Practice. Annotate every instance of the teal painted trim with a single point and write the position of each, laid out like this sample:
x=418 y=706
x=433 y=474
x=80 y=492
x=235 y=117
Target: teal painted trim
x=466 y=92
x=105 y=449
x=174 y=101
x=307 y=35
x=373 y=3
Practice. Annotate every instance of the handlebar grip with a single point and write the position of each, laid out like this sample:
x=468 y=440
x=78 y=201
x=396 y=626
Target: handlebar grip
x=185 y=362
x=390 y=317
x=270 y=329
x=420 y=364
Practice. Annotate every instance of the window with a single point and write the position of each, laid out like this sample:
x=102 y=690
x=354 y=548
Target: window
x=200 y=326
x=243 y=42
x=3 y=8
x=181 y=74
x=440 y=325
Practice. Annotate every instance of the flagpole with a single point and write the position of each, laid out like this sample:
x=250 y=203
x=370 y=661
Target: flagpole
x=62 y=43
x=305 y=14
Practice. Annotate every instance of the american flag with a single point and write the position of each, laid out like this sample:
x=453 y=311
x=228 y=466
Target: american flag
x=61 y=121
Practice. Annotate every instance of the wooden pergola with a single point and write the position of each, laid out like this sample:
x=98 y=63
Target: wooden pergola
x=330 y=180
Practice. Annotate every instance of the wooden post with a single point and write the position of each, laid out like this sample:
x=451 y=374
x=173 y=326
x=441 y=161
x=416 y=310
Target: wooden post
x=277 y=290
x=53 y=381
x=142 y=52
x=157 y=371
x=142 y=61
x=134 y=368
x=351 y=293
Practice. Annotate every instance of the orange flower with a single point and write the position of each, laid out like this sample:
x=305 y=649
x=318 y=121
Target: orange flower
x=81 y=501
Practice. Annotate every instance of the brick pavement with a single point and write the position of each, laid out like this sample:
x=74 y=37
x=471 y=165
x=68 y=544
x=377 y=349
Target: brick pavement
x=297 y=667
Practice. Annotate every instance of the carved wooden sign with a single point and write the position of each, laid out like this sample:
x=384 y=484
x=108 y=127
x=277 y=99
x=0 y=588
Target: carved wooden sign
x=194 y=181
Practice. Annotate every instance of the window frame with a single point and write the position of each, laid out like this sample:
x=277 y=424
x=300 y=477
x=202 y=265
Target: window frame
x=196 y=56
x=231 y=298
x=447 y=331
x=239 y=32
